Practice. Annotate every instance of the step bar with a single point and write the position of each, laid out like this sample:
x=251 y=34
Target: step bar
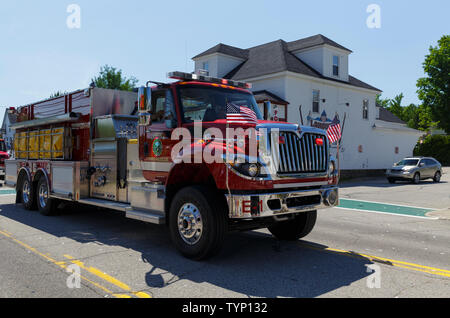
x=130 y=212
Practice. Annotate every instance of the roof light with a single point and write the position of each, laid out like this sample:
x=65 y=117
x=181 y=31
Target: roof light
x=202 y=78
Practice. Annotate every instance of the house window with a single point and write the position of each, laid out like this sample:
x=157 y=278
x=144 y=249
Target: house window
x=335 y=65
x=205 y=66
x=315 y=103
x=365 y=112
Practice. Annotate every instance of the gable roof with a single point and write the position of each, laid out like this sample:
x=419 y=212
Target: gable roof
x=277 y=56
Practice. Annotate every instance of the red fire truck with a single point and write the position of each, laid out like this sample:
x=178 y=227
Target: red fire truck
x=117 y=150
x=3 y=156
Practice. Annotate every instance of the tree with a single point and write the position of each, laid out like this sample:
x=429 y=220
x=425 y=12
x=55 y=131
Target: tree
x=395 y=106
x=434 y=90
x=112 y=78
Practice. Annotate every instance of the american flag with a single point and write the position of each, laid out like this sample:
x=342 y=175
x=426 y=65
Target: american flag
x=334 y=131
x=240 y=114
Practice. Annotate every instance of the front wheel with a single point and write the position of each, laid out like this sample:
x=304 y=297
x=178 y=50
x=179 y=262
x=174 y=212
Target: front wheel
x=295 y=229
x=197 y=224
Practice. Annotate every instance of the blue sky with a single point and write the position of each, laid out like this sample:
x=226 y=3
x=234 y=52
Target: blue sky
x=39 y=54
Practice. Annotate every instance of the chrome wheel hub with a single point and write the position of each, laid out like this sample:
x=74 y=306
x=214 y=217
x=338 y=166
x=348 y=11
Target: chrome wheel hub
x=190 y=225
x=26 y=191
x=43 y=195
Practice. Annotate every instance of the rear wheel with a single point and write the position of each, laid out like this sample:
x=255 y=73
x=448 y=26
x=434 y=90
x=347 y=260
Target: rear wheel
x=197 y=224
x=45 y=204
x=26 y=193
x=295 y=229
x=416 y=178
x=437 y=176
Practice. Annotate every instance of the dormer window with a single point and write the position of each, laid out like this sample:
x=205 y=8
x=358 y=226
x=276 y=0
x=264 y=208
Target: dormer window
x=335 y=65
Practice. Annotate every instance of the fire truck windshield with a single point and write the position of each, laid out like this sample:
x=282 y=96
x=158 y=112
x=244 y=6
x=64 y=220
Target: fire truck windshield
x=210 y=103
x=2 y=146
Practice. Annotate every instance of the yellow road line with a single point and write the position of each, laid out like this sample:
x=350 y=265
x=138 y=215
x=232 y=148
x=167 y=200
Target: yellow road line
x=94 y=271
x=106 y=277
x=387 y=261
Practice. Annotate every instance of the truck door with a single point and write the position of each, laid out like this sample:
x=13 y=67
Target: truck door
x=156 y=143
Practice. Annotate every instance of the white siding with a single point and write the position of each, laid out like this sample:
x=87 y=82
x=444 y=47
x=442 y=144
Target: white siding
x=313 y=57
x=219 y=64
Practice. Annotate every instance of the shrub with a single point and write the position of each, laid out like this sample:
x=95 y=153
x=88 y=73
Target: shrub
x=437 y=146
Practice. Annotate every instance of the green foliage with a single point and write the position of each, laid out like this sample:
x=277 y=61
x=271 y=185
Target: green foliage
x=436 y=146
x=112 y=78
x=415 y=116
x=57 y=94
x=434 y=90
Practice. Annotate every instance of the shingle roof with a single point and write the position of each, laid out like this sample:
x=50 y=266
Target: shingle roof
x=264 y=95
x=312 y=41
x=225 y=49
x=277 y=56
x=386 y=115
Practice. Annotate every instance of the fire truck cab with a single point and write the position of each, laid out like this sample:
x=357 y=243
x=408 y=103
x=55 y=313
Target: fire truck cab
x=163 y=155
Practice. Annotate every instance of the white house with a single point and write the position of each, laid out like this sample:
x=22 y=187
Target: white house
x=6 y=131
x=304 y=78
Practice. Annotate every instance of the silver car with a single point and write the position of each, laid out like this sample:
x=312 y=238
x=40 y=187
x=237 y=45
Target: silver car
x=415 y=169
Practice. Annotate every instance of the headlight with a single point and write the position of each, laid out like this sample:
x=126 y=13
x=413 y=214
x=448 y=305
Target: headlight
x=252 y=170
x=331 y=167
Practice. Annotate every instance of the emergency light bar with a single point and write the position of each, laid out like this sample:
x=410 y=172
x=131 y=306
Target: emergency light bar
x=202 y=78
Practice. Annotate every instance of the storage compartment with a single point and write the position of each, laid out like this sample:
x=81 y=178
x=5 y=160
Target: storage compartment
x=48 y=144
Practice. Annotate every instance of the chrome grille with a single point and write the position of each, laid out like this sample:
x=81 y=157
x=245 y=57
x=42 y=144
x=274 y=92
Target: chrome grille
x=299 y=155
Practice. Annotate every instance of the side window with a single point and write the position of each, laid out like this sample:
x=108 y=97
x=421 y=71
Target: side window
x=315 y=102
x=159 y=101
x=365 y=112
x=170 y=115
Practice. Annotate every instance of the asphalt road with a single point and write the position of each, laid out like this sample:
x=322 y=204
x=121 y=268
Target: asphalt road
x=350 y=253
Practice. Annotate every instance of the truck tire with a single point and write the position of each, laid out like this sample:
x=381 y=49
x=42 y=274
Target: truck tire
x=25 y=192
x=197 y=224
x=45 y=204
x=295 y=229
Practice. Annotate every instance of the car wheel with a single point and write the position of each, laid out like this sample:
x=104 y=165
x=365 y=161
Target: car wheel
x=437 y=176
x=416 y=179
x=197 y=223
x=295 y=229
x=391 y=180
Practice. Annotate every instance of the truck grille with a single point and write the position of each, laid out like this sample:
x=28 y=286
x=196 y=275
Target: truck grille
x=300 y=155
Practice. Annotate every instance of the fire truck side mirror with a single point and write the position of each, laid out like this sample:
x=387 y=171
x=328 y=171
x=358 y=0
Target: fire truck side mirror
x=145 y=105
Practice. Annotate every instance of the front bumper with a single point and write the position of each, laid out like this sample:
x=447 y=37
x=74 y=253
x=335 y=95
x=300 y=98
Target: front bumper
x=400 y=174
x=256 y=205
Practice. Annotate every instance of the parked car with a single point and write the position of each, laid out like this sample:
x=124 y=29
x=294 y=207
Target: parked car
x=415 y=169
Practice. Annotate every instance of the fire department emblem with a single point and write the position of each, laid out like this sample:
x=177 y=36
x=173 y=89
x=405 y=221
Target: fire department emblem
x=157 y=147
